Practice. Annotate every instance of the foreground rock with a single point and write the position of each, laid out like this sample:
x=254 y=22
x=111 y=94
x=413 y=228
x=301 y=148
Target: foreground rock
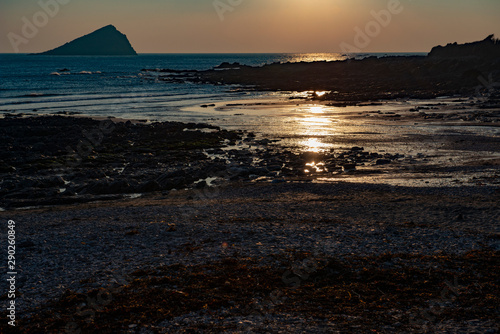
x=63 y=160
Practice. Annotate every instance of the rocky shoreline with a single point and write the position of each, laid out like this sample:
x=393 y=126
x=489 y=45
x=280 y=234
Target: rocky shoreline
x=56 y=160
x=61 y=160
x=465 y=69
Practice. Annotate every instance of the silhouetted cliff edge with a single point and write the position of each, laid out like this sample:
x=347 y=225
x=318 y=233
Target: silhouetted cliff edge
x=107 y=41
x=487 y=48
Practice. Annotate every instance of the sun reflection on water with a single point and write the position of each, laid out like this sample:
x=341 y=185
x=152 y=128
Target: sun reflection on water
x=314 y=144
x=318 y=167
x=317 y=110
x=309 y=93
x=310 y=57
x=315 y=123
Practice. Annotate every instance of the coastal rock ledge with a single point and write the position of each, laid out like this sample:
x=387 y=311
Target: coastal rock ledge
x=489 y=48
x=107 y=41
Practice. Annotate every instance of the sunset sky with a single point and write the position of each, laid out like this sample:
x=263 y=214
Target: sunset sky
x=262 y=26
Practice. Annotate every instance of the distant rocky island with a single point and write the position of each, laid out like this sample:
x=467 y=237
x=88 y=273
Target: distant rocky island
x=107 y=41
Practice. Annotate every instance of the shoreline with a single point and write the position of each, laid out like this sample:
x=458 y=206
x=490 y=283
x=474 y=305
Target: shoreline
x=392 y=143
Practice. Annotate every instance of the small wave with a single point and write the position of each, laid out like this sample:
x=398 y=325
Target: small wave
x=69 y=73
x=89 y=72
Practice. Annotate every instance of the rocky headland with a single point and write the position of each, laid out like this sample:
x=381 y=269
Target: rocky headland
x=466 y=69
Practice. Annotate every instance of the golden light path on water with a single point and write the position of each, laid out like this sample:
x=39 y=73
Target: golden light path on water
x=314 y=124
x=305 y=126
x=311 y=57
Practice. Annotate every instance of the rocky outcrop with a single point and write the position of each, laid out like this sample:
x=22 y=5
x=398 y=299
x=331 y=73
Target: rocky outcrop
x=467 y=69
x=107 y=41
x=485 y=49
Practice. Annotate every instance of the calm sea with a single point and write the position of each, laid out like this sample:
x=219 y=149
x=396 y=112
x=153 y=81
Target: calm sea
x=114 y=86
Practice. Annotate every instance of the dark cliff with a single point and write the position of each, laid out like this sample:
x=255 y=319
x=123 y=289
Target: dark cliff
x=485 y=49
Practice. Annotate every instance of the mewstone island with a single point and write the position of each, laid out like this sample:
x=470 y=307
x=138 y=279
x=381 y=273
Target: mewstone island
x=209 y=180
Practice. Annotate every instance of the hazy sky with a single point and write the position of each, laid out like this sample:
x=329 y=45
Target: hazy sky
x=178 y=26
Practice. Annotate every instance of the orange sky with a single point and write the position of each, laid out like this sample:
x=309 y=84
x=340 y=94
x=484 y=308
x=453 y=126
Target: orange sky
x=227 y=26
